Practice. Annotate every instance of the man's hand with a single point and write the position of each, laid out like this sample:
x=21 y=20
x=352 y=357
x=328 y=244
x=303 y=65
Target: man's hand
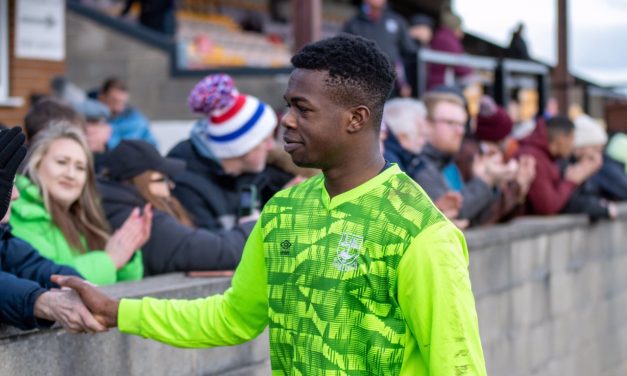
x=12 y=152
x=450 y=204
x=526 y=174
x=66 y=308
x=103 y=308
x=133 y=234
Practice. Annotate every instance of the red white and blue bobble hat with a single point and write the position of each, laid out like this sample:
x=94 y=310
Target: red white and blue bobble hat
x=236 y=123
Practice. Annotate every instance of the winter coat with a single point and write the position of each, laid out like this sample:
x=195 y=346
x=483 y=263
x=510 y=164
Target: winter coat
x=130 y=125
x=549 y=192
x=445 y=40
x=389 y=32
x=508 y=204
x=477 y=196
x=24 y=276
x=174 y=246
x=211 y=196
x=31 y=221
x=409 y=162
x=610 y=181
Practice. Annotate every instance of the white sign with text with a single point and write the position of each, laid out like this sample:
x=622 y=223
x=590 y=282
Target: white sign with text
x=40 y=29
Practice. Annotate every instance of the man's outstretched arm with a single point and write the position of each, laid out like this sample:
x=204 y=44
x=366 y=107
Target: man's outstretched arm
x=235 y=317
x=436 y=299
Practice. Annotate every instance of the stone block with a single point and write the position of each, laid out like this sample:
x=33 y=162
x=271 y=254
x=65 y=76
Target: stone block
x=498 y=357
x=523 y=253
x=541 y=346
x=564 y=329
x=587 y=361
x=562 y=291
x=490 y=270
x=579 y=246
x=558 y=248
x=520 y=346
x=494 y=313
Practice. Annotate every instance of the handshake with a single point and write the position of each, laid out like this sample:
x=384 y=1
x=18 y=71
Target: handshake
x=79 y=307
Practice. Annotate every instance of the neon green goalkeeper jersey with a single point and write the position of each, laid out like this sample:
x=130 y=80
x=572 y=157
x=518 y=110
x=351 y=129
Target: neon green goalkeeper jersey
x=371 y=282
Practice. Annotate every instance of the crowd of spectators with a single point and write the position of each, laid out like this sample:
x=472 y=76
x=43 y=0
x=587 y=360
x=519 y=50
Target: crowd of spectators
x=93 y=196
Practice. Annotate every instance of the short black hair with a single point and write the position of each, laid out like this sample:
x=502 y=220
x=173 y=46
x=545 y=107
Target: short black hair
x=46 y=111
x=559 y=125
x=112 y=83
x=359 y=73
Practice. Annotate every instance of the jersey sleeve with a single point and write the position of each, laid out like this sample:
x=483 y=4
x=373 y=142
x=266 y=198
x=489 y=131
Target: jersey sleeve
x=436 y=299
x=237 y=316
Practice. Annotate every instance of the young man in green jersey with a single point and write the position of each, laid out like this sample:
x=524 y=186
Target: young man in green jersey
x=353 y=271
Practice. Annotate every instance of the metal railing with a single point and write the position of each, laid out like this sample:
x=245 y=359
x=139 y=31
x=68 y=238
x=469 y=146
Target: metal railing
x=507 y=73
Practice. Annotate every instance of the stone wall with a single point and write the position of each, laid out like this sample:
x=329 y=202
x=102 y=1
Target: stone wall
x=54 y=352
x=551 y=296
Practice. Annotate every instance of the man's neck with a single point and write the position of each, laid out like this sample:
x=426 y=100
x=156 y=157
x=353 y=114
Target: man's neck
x=352 y=173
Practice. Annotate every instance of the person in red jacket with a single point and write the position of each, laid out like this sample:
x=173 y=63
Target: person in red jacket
x=447 y=38
x=548 y=143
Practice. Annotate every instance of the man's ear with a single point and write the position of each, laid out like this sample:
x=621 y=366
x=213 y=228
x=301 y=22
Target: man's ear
x=358 y=118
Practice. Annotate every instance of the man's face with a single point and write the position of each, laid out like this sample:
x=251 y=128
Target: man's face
x=15 y=194
x=447 y=127
x=314 y=135
x=255 y=160
x=421 y=33
x=562 y=144
x=375 y=3
x=116 y=100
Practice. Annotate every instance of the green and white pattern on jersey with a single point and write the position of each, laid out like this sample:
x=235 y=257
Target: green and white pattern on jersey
x=332 y=274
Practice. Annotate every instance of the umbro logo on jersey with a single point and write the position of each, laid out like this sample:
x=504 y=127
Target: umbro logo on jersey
x=285 y=247
x=348 y=250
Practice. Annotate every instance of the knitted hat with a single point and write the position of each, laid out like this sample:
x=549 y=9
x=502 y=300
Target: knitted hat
x=493 y=122
x=588 y=132
x=92 y=109
x=421 y=19
x=617 y=148
x=236 y=123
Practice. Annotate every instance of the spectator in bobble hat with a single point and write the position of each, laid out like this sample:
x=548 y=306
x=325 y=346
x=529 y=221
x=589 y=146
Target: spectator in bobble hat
x=137 y=175
x=612 y=178
x=226 y=156
x=492 y=139
x=593 y=195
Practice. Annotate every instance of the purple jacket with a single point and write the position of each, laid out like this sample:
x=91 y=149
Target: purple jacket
x=444 y=40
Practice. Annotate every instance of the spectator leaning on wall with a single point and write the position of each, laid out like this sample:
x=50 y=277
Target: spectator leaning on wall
x=26 y=300
x=359 y=250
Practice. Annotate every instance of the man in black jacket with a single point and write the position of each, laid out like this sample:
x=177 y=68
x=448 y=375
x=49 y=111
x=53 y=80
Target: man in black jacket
x=26 y=300
x=173 y=246
x=389 y=31
x=226 y=156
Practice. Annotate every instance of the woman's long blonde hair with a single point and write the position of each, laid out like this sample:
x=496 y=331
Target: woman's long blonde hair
x=85 y=217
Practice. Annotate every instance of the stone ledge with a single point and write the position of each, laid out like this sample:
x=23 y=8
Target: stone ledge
x=527 y=227
x=175 y=285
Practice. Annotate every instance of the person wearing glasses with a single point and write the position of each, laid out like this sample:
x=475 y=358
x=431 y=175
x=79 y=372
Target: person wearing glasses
x=446 y=120
x=135 y=174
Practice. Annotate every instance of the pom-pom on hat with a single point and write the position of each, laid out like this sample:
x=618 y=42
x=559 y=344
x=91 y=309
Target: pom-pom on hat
x=588 y=132
x=493 y=122
x=236 y=123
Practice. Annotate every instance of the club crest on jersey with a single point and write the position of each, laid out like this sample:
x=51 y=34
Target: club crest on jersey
x=348 y=250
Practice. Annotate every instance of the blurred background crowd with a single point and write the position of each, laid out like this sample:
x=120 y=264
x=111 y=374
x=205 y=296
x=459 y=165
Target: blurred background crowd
x=109 y=194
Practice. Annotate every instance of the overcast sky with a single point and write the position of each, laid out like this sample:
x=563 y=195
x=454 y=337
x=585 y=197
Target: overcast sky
x=598 y=32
